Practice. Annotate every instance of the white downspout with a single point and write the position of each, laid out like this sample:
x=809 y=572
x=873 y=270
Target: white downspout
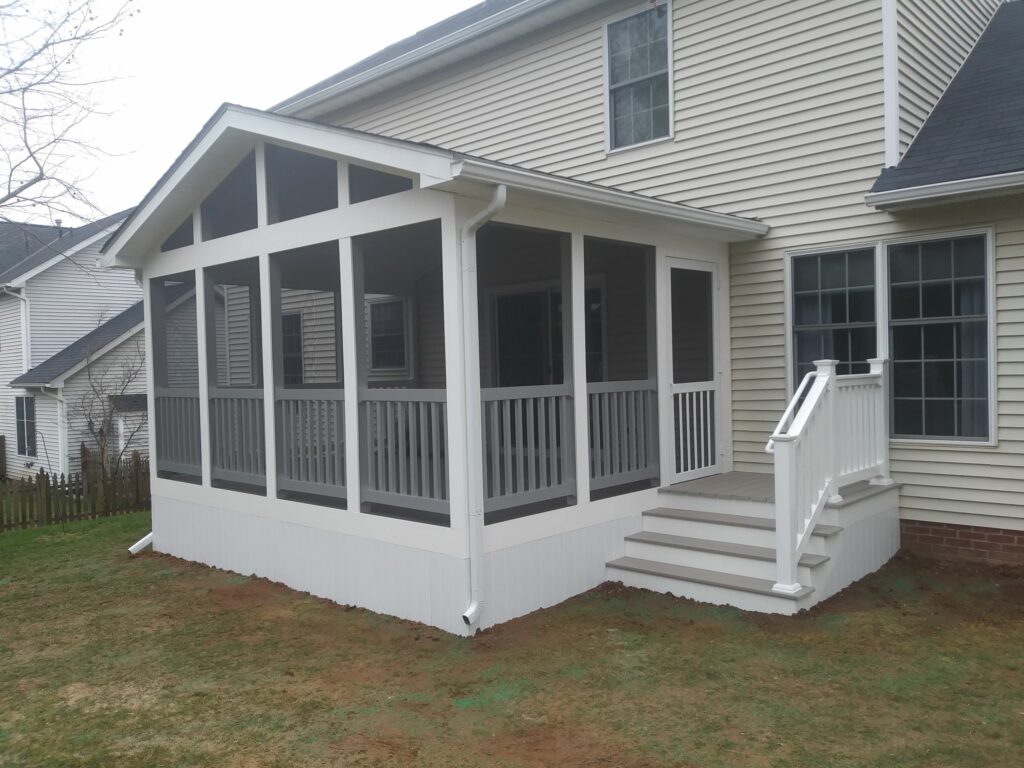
x=26 y=351
x=474 y=439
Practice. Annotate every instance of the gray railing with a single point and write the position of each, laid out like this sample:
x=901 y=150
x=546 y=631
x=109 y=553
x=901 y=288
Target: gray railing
x=528 y=443
x=176 y=413
x=237 y=453
x=623 y=432
x=311 y=441
x=405 y=448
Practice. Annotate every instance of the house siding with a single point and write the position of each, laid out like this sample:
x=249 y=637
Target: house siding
x=935 y=37
x=74 y=297
x=109 y=374
x=12 y=365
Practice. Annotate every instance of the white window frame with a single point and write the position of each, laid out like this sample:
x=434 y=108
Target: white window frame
x=21 y=423
x=381 y=374
x=882 y=318
x=636 y=10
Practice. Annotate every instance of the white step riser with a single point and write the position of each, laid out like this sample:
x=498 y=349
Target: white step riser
x=707 y=593
x=711 y=561
x=735 y=534
x=725 y=506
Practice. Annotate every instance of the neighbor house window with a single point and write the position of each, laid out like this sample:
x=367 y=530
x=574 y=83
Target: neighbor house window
x=834 y=311
x=25 y=415
x=291 y=348
x=939 y=339
x=638 y=78
x=389 y=341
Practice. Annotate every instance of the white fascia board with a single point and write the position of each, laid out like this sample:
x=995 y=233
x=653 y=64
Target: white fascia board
x=736 y=227
x=429 y=163
x=947 y=191
x=58 y=258
x=410 y=59
x=61 y=380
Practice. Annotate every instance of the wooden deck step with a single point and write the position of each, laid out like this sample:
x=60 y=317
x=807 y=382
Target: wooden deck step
x=746 y=521
x=701 y=576
x=721 y=547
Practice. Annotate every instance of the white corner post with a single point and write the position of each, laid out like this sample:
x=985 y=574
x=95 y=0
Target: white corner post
x=879 y=367
x=156 y=327
x=270 y=300
x=455 y=374
x=577 y=307
x=205 y=338
x=786 y=578
x=890 y=83
x=351 y=321
x=666 y=408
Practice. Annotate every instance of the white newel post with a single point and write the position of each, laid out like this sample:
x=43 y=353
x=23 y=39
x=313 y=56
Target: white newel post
x=879 y=368
x=786 y=581
x=827 y=369
x=577 y=305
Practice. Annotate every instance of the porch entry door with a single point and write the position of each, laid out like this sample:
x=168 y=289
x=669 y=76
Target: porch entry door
x=694 y=404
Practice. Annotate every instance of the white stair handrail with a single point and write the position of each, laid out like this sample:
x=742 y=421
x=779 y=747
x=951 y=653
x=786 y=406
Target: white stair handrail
x=787 y=416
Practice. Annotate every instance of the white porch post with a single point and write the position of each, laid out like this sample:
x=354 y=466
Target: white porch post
x=785 y=518
x=879 y=367
x=156 y=327
x=462 y=474
x=577 y=306
x=666 y=415
x=270 y=298
x=351 y=349
x=205 y=338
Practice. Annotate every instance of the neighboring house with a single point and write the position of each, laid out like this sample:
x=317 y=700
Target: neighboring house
x=655 y=313
x=51 y=295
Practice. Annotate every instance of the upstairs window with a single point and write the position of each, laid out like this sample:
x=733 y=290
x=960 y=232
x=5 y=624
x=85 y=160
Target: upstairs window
x=638 y=78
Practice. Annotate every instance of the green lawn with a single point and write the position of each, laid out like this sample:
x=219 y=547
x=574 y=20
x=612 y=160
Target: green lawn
x=108 y=661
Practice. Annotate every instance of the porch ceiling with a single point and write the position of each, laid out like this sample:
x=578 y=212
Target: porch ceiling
x=233 y=130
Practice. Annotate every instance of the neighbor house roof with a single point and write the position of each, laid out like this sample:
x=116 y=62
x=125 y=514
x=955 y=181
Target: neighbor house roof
x=18 y=240
x=14 y=269
x=53 y=370
x=973 y=141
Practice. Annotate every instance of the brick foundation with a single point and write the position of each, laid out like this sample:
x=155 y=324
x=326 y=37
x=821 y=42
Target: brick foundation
x=963 y=542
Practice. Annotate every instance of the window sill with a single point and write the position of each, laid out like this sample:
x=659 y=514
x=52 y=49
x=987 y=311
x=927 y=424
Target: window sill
x=939 y=444
x=609 y=151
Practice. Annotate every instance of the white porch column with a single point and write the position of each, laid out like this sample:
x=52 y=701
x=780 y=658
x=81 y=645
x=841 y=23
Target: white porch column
x=204 y=336
x=577 y=307
x=460 y=474
x=156 y=327
x=666 y=414
x=351 y=315
x=270 y=299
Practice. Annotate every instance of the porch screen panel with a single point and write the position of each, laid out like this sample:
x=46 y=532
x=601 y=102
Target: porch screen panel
x=175 y=341
x=621 y=367
x=235 y=366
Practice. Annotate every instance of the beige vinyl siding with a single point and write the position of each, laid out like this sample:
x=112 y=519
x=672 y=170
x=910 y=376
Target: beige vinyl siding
x=104 y=376
x=935 y=37
x=73 y=298
x=318 y=332
x=428 y=329
x=183 y=345
x=11 y=366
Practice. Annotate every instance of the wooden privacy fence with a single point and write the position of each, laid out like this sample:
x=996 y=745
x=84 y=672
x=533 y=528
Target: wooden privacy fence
x=50 y=498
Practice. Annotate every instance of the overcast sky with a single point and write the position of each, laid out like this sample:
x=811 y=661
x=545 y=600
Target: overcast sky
x=178 y=60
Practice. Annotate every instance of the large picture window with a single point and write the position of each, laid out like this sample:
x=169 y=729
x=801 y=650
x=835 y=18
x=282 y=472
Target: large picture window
x=834 y=310
x=25 y=415
x=638 y=78
x=939 y=339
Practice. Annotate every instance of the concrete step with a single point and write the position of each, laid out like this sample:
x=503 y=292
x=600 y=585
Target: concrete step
x=716 y=555
x=707 y=586
x=719 y=526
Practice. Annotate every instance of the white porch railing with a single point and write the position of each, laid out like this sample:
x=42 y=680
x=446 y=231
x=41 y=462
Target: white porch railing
x=694 y=440
x=834 y=432
x=405 y=444
x=528 y=443
x=237 y=452
x=623 y=432
x=311 y=440
x=176 y=413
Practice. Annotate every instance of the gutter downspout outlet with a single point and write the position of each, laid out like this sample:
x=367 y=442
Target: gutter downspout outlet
x=474 y=449
x=141 y=544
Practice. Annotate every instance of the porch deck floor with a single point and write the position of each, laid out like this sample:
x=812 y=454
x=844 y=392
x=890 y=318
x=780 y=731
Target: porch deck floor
x=739 y=486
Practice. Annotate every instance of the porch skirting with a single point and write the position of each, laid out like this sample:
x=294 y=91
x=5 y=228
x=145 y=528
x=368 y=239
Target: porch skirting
x=409 y=583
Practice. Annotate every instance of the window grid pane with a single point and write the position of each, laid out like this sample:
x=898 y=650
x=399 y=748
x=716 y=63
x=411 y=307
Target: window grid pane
x=638 y=78
x=938 y=332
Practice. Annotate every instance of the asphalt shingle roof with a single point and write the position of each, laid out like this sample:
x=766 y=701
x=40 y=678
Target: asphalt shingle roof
x=977 y=128
x=14 y=268
x=79 y=351
x=18 y=241
x=431 y=34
